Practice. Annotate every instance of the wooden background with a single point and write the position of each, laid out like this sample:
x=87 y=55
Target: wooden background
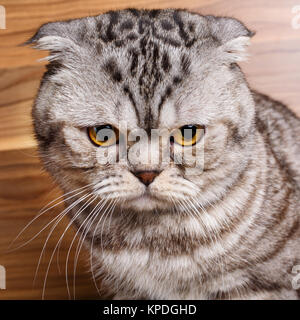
x=274 y=68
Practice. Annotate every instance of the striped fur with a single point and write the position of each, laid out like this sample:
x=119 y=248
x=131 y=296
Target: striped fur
x=229 y=231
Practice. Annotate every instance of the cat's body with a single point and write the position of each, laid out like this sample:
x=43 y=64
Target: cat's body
x=230 y=230
x=249 y=257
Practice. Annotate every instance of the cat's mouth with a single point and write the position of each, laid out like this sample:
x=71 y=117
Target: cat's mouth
x=147 y=202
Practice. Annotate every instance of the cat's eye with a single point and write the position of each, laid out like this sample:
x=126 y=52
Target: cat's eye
x=188 y=135
x=104 y=136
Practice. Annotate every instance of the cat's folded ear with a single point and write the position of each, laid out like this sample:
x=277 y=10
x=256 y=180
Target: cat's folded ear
x=55 y=37
x=233 y=37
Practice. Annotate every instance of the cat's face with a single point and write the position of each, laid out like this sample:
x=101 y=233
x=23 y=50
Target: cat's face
x=132 y=72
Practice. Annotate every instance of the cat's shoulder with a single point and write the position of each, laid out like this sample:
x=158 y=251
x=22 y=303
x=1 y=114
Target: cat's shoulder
x=280 y=128
x=271 y=108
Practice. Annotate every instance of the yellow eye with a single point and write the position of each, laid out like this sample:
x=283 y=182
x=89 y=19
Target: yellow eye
x=188 y=135
x=104 y=136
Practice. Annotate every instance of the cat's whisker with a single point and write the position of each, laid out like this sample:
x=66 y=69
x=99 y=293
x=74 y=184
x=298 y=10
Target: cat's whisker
x=39 y=215
x=174 y=207
x=71 y=246
x=62 y=215
x=77 y=232
x=110 y=210
x=111 y=214
x=82 y=208
x=92 y=243
x=208 y=233
x=66 y=194
x=196 y=213
x=220 y=260
x=188 y=183
x=58 y=250
x=220 y=222
x=190 y=209
x=194 y=209
x=186 y=209
x=86 y=223
x=183 y=208
x=91 y=254
x=83 y=237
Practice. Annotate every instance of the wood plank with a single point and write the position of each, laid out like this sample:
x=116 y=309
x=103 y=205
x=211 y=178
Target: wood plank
x=24 y=190
x=271 y=19
x=18 y=88
x=274 y=69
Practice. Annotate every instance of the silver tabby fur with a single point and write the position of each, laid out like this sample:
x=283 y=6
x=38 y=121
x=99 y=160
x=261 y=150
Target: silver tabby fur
x=229 y=232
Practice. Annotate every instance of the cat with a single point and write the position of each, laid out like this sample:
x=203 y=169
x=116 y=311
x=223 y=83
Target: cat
x=170 y=230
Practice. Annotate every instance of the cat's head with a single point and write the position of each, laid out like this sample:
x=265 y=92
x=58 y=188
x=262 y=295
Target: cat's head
x=133 y=71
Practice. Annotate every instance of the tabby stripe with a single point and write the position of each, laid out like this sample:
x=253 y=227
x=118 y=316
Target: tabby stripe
x=183 y=34
x=112 y=69
x=223 y=248
x=131 y=98
x=134 y=62
x=265 y=256
x=278 y=221
x=165 y=62
x=167 y=93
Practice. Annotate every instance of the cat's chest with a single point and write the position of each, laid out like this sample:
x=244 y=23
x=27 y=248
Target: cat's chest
x=168 y=277
x=153 y=274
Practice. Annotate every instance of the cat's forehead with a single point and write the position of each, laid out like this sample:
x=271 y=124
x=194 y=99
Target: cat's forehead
x=147 y=75
x=174 y=27
x=141 y=59
x=148 y=55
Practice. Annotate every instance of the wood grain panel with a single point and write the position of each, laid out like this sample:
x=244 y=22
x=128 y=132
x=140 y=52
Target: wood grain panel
x=18 y=88
x=24 y=190
x=273 y=68
x=271 y=19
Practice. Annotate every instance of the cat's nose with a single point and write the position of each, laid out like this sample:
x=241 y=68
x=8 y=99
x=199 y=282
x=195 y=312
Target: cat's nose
x=146 y=177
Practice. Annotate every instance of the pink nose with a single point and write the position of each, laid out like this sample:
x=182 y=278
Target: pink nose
x=146 y=177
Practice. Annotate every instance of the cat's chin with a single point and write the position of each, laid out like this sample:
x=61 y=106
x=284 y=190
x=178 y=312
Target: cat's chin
x=146 y=202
